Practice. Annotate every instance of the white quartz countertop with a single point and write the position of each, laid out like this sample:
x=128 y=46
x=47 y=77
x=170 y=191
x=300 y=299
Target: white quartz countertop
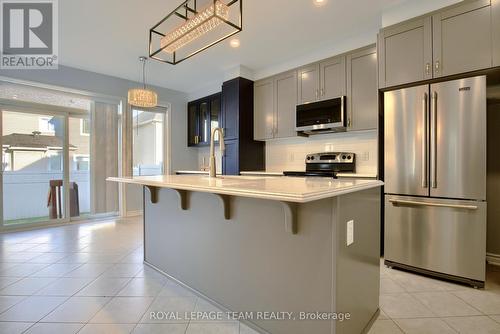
x=289 y=189
x=342 y=175
x=266 y=173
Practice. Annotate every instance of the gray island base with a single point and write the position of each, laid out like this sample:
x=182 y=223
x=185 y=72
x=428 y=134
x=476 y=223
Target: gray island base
x=259 y=255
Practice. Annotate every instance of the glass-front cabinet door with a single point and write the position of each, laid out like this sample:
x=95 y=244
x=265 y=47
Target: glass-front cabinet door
x=205 y=128
x=203 y=116
x=215 y=113
x=193 y=124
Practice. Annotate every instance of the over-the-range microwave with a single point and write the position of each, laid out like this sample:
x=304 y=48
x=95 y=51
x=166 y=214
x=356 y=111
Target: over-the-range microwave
x=321 y=117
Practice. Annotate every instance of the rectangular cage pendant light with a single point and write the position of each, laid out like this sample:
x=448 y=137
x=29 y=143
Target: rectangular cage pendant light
x=192 y=27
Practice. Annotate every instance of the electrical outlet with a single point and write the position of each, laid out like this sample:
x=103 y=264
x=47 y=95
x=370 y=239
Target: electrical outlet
x=350 y=232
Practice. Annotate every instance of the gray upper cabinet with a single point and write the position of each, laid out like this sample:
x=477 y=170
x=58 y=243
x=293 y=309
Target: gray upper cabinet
x=462 y=38
x=264 y=109
x=275 y=100
x=362 y=91
x=286 y=102
x=495 y=20
x=457 y=39
x=332 y=78
x=405 y=52
x=308 y=84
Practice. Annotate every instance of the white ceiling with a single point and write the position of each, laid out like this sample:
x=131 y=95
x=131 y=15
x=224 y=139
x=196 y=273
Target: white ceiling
x=107 y=36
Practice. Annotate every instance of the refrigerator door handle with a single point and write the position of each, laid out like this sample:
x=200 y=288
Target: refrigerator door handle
x=441 y=205
x=424 y=141
x=434 y=140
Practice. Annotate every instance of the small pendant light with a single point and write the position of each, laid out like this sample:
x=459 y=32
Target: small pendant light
x=142 y=97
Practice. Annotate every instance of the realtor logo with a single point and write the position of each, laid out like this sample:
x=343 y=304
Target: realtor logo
x=29 y=34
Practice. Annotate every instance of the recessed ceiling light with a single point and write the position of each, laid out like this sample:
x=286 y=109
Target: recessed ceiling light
x=235 y=43
x=15 y=97
x=319 y=3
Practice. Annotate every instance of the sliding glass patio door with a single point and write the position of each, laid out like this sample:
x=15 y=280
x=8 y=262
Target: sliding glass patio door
x=55 y=164
x=33 y=167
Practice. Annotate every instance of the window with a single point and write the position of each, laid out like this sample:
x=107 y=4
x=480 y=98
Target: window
x=85 y=127
x=46 y=125
x=6 y=161
x=82 y=163
x=55 y=161
x=148 y=140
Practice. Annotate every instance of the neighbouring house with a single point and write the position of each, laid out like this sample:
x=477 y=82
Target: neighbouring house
x=33 y=143
x=33 y=152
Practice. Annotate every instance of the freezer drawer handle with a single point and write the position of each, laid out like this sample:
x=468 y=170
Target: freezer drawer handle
x=453 y=206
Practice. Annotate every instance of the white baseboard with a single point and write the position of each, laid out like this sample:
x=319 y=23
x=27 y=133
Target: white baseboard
x=133 y=213
x=493 y=259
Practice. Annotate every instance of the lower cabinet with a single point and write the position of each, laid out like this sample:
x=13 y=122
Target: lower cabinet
x=230 y=162
x=362 y=91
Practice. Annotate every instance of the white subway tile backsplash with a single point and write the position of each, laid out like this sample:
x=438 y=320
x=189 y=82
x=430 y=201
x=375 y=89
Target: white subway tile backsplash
x=289 y=154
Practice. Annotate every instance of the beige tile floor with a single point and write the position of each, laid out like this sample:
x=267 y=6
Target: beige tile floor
x=89 y=278
x=415 y=304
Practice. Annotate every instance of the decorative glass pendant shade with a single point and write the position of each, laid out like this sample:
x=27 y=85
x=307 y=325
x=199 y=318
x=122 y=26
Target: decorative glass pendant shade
x=193 y=27
x=142 y=97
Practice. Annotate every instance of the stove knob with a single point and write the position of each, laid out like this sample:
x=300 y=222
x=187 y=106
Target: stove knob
x=349 y=157
x=308 y=158
x=312 y=158
x=343 y=157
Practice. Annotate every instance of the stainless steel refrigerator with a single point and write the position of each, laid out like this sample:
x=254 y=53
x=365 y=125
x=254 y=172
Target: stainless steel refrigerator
x=435 y=179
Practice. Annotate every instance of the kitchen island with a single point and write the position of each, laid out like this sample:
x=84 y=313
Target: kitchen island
x=309 y=246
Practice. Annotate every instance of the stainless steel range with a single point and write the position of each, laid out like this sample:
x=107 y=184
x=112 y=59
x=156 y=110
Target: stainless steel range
x=327 y=164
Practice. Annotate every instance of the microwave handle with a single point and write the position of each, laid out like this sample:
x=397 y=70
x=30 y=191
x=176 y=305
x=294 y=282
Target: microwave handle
x=343 y=112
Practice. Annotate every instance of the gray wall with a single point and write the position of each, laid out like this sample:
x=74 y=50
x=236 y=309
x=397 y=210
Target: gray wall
x=493 y=179
x=182 y=157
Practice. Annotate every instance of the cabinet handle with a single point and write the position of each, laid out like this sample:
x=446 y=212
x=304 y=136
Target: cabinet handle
x=438 y=66
x=349 y=122
x=428 y=69
x=317 y=94
x=322 y=92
